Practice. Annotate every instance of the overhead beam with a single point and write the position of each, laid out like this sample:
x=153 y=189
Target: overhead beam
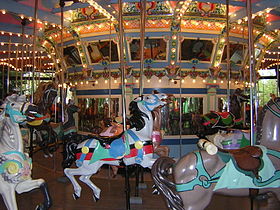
x=257 y=7
x=274 y=25
x=18 y=8
x=15 y=29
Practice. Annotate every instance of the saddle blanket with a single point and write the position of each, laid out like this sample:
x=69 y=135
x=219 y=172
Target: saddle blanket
x=231 y=178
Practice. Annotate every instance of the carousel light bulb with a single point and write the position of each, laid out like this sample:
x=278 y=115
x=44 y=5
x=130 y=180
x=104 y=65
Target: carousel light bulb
x=115 y=81
x=222 y=81
x=76 y=83
x=204 y=81
x=106 y=81
x=125 y=80
x=82 y=83
x=3 y=12
x=159 y=80
x=172 y=80
x=214 y=81
x=86 y=82
x=172 y=62
x=137 y=81
x=182 y=80
x=148 y=80
x=193 y=81
x=96 y=82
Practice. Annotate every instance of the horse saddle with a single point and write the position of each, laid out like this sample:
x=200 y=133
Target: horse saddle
x=106 y=141
x=247 y=160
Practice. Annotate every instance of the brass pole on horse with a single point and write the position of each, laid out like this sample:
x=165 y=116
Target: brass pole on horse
x=143 y=14
x=122 y=67
x=228 y=55
x=62 y=98
x=34 y=47
x=16 y=65
x=9 y=59
x=251 y=68
x=23 y=23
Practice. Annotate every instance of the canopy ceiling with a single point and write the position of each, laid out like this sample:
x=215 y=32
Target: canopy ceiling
x=13 y=12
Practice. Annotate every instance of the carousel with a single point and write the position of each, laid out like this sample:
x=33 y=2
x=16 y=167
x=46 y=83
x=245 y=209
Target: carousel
x=180 y=96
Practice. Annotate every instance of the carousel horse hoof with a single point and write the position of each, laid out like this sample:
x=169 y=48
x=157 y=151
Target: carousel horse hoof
x=40 y=207
x=75 y=196
x=155 y=192
x=261 y=197
x=95 y=199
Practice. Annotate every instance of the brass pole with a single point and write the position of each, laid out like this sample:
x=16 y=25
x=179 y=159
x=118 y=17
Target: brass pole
x=142 y=43
x=9 y=58
x=34 y=48
x=251 y=68
x=228 y=55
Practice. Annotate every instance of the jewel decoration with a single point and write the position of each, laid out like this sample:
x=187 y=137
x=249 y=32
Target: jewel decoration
x=172 y=71
x=206 y=8
x=89 y=12
x=149 y=6
x=148 y=72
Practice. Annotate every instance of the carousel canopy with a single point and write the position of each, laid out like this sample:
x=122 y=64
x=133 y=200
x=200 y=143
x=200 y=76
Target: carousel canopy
x=84 y=20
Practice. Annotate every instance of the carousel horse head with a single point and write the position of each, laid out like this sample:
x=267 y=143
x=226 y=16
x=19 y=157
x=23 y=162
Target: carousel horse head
x=45 y=95
x=19 y=109
x=142 y=105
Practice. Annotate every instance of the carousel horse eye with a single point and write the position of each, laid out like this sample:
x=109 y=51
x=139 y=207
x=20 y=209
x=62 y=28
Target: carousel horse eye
x=12 y=104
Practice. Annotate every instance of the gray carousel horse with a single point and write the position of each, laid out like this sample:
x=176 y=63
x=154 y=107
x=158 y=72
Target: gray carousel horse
x=198 y=175
x=15 y=165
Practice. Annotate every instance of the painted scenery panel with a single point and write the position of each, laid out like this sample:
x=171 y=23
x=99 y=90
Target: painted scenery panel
x=236 y=53
x=99 y=51
x=72 y=56
x=196 y=49
x=154 y=49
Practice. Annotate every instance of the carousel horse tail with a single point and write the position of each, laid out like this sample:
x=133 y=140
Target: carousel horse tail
x=161 y=169
x=68 y=153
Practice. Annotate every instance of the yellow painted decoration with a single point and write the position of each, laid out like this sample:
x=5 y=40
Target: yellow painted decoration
x=35 y=122
x=12 y=168
x=138 y=144
x=85 y=150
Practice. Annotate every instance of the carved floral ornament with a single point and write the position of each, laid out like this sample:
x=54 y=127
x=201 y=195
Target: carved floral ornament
x=172 y=72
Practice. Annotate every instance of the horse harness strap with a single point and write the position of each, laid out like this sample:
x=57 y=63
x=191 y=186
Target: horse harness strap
x=202 y=178
x=247 y=160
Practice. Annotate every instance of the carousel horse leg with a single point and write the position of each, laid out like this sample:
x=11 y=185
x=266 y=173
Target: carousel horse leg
x=70 y=173
x=29 y=185
x=95 y=189
x=83 y=170
x=9 y=197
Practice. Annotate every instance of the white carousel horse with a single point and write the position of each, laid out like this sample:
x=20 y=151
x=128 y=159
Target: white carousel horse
x=132 y=146
x=198 y=175
x=15 y=165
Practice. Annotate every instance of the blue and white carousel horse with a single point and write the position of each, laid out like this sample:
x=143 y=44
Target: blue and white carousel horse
x=15 y=165
x=133 y=146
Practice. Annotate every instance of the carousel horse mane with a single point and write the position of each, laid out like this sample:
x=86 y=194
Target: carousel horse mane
x=137 y=119
x=41 y=90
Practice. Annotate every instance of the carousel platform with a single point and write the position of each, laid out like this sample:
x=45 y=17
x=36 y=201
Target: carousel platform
x=112 y=191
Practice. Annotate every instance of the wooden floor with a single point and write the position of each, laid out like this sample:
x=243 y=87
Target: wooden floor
x=112 y=192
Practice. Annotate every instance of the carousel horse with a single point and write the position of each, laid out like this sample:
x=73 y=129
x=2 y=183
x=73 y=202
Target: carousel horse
x=198 y=175
x=44 y=98
x=134 y=146
x=211 y=123
x=15 y=165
